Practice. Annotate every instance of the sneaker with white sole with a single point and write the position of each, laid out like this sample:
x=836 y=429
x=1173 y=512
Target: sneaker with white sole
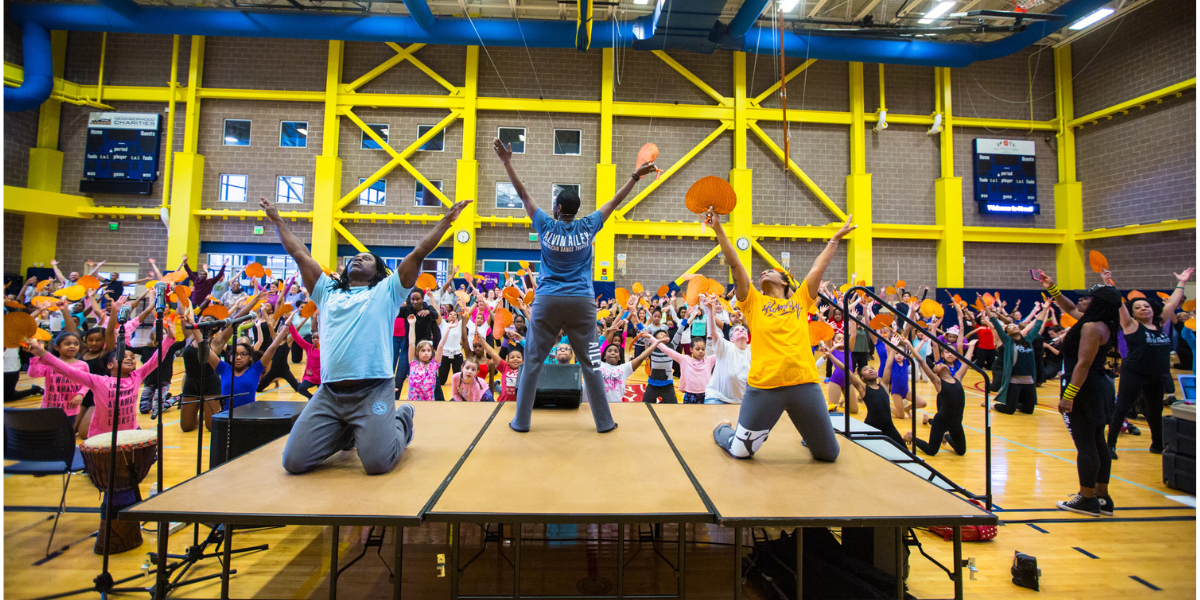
x=1106 y=505
x=1082 y=505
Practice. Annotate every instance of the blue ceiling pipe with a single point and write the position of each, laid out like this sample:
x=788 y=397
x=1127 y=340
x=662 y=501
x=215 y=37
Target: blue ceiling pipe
x=419 y=11
x=39 y=71
x=747 y=15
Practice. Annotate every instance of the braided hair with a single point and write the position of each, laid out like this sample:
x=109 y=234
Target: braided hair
x=381 y=272
x=1104 y=308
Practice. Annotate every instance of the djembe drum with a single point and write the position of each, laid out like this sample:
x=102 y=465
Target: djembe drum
x=136 y=452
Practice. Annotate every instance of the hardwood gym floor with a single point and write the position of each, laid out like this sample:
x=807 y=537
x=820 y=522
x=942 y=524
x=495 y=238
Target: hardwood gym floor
x=1147 y=550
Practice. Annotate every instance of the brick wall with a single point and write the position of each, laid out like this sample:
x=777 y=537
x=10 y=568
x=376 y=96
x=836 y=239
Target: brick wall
x=1145 y=261
x=1148 y=49
x=20 y=134
x=903 y=162
x=450 y=62
x=265 y=63
x=1047 y=176
x=1000 y=88
x=14 y=232
x=539 y=168
x=1006 y=266
x=80 y=240
x=821 y=151
x=386 y=234
x=824 y=85
x=803 y=255
x=239 y=230
x=72 y=139
x=539 y=72
x=907 y=90
x=643 y=77
x=913 y=261
x=655 y=261
x=129 y=59
x=674 y=138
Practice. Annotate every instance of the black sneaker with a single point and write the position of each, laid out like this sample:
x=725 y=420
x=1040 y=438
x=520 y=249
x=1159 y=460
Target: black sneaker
x=1133 y=430
x=405 y=415
x=1082 y=505
x=1156 y=450
x=1106 y=506
x=1113 y=451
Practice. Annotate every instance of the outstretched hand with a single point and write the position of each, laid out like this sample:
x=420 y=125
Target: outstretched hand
x=503 y=151
x=845 y=229
x=456 y=209
x=1183 y=277
x=645 y=169
x=267 y=207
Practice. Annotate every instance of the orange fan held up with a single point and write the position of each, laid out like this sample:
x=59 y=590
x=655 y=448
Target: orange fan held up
x=711 y=192
x=649 y=154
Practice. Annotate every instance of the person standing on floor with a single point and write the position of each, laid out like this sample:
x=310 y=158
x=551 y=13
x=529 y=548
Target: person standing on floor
x=565 y=298
x=355 y=404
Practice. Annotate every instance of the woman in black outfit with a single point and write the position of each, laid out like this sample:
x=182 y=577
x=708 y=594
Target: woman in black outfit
x=946 y=377
x=1088 y=396
x=875 y=396
x=1146 y=369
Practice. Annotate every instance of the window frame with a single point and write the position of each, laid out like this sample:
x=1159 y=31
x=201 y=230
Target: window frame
x=366 y=139
x=417 y=195
x=294 y=123
x=555 y=143
x=249 y=133
x=279 y=179
x=524 y=134
x=223 y=184
x=554 y=197
x=369 y=189
x=520 y=203
x=441 y=135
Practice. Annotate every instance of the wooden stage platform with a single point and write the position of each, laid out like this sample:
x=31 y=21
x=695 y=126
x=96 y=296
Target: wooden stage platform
x=659 y=466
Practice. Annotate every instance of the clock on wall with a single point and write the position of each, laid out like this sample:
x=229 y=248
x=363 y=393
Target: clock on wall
x=463 y=236
x=743 y=243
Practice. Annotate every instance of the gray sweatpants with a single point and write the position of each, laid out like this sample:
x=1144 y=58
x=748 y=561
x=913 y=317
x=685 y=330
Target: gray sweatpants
x=577 y=315
x=761 y=409
x=331 y=419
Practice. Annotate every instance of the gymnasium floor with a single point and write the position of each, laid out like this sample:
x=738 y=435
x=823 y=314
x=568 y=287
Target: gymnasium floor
x=1147 y=550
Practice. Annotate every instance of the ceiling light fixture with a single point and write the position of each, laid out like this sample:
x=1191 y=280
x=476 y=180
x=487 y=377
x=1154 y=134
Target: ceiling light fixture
x=1091 y=19
x=937 y=12
x=788 y=5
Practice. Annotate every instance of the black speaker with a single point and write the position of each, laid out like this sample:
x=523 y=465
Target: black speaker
x=559 y=386
x=255 y=424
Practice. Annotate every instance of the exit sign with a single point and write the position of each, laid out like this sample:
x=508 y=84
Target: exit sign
x=113 y=225
x=533 y=237
x=258 y=230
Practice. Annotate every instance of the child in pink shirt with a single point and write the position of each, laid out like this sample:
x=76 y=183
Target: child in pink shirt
x=694 y=370
x=102 y=386
x=61 y=392
x=468 y=385
x=312 y=363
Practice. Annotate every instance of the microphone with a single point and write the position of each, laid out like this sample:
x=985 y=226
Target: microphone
x=160 y=298
x=123 y=314
x=223 y=323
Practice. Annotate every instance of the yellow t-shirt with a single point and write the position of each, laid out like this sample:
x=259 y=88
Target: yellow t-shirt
x=782 y=354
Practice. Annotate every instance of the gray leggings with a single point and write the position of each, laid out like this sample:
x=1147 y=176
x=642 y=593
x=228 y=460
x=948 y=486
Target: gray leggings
x=761 y=409
x=577 y=315
x=332 y=419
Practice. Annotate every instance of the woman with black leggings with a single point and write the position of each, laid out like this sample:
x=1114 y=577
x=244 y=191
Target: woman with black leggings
x=1018 y=373
x=946 y=376
x=1088 y=394
x=1146 y=369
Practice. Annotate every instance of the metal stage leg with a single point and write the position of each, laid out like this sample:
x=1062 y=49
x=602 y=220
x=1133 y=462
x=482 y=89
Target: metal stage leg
x=900 y=559
x=333 y=562
x=799 y=563
x=737 y=563
x=452 y=533
x=517 y=567
x=620 y=560
x=682 y=576
x=398 y=560
x=228 y=561
x=958 y=580
x=161 y=576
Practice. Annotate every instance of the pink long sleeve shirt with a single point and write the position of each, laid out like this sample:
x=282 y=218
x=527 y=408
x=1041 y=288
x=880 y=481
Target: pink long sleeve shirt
x=693 y=374
x=59 y=389
x=312 y=363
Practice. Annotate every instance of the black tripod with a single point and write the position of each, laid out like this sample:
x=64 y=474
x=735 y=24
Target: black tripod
x=104 y=583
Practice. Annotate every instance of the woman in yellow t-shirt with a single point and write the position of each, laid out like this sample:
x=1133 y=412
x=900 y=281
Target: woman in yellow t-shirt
x=783 y=373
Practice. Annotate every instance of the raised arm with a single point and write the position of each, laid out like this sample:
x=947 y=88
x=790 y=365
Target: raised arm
x=491 y=352
x=1063 y=302
x=606 y=209
x=154 y=268
x=651 y=344
x=310 y=269
x=58 y=274
x=281 y=337
x=740 y=277
x=813 y=279
x=410 y=267
x=505 y=154
x=916 y=358
x=1176 y=298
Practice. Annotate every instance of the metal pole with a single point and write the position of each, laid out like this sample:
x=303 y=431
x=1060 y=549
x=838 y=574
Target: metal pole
x=164 y=527
x=912 y=390
x=517 y=567
x=227 y=563
x=682 y=580
x=452 y=533
x=799 y=563
x=958 y=580
x=737 y=563
x=620 y=560
x=398 y=560
x=899 y=563
x=333 y=562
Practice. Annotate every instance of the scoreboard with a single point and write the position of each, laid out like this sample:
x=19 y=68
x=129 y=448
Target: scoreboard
x=1006 y=177
x=122 y=152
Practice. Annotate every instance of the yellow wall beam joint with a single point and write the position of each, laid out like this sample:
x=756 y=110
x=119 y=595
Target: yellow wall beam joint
x=341 y=229
x=401 y=55
x=29 y=201
x=1168 y=225
x=826 y=117
x=695 y=268
x=798 y=172
x=429 y=187
x=692 y=77
x=209 y=213
x=425 y=69
x=786 y=78
x=1139 y=102
x=683 y=160
x=398 y=160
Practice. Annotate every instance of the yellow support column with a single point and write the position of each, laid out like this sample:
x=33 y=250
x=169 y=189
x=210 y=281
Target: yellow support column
x=1068 y=193
x=948 y=193
x=740 y=177
x=327 y=189
x=40 y=235
x=859 y=258
x=604 y=245
x=466 y=186
x=187 y=185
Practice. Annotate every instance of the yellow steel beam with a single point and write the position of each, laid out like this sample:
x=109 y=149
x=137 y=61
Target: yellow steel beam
x=798 y=172
x=690 y=76
x=1013 y=235
x=604 y=245
x=800 y=116
x=425 y=69
x=683 y=160
x=860 y=247
x=906 y=232
x=493 y=220
x=269 y=95
x=660 y=110
x=396 y=157
x=43 y=202
x=695 y=268
x=786 y=78
x=659 y=228
x=187 y=179
x=355 y=217
x=328 y=185
x=1068 y=192
x=169 y=154
x=191 y=126
x=766 y=256
x=536 y=105
x=396 y=59
x=1002 y=124
x=210 y=213
x=947 y=191
x=1168 y=225
x=466 y=178
x=397 y=161
x=795 y=232
x=350 y=238
x=741 y=177
x=1139 y=102
x=119 y=211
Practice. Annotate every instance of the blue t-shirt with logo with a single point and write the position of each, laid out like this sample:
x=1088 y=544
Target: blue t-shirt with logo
x=566 y=254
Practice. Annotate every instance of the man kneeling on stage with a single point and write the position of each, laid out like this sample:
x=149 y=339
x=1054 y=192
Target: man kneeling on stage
x=355 y=404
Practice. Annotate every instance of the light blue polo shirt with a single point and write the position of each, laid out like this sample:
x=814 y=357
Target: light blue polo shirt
x=356 y=328
x=566 y=254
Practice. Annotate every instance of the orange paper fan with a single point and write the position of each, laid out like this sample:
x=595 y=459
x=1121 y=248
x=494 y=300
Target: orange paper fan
x=501 y=319
x=284 y=310
x=637 y=287
x=901 y=284
x=725 y=305
x=1163 y=295
x=978 y=304
x=988 y=300
x=890 y=290
x=255 y=270
x=267 y=272
x=17 y=327
x=308 y=310
x=1190 y=323
x=184 y=294
x=1135 y=294
x=41 y=335
x=622 y=296
x=41 y=285
x=176 y=276
x=648 y=153
x=529 y=298
x=959 y=301
x=689 y=276
x=603 y=313
x=881 y=321
x=521 y=273
x=819 y=331
x=426 y=281
x=463 y=297
x=73 y=293
x=712 y=286
x=40 y=301
x=216 y=311
x=524 y=264
x=1067 y=320
x=695 y=287
x=1188 y=305
x=663 y=290
x=14 y=304
x=930 y=308
x=512 y=294
x=1097 y=261
x=711 y=192
x=89 y=282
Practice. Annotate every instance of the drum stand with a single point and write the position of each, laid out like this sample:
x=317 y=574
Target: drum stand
x=104 y=583
x=219 y=535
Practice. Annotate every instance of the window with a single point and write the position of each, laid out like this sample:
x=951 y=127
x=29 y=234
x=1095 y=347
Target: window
x=514 y=136
x=237 y=132
x=293 y=134
x=556 y=188
x=428 y=199
x=233 y=188
x=512 y=266
x=380 y=129
x=506 y=196
x=568 y=141
x=289 y=190
x=436 y=143
x=281 y=265
x=376 y=195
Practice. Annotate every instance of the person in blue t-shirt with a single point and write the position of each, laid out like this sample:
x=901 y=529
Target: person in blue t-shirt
x=240 y=381
x=355 y=403
x=564 y=293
